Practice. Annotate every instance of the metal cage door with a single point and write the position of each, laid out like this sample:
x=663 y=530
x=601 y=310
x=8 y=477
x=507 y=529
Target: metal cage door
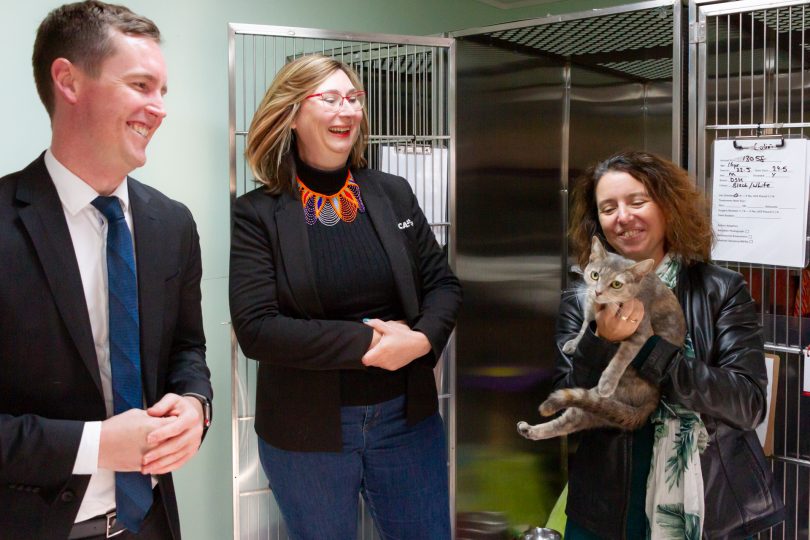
x=750 y=75
x=410 y=102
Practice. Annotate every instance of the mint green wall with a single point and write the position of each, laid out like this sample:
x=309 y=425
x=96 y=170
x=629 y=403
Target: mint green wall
x=188 y=157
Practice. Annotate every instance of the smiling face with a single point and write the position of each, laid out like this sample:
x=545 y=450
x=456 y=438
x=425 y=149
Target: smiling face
x=325 y=138
x=116 y=113
x=631 y=220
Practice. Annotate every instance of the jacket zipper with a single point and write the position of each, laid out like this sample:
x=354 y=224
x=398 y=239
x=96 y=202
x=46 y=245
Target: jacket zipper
x=627 y=481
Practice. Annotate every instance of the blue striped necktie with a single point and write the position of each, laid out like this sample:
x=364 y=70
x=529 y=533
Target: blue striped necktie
x=133 y=490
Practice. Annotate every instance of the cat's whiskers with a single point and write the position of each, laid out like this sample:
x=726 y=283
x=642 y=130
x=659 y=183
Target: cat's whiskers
x=575 y=291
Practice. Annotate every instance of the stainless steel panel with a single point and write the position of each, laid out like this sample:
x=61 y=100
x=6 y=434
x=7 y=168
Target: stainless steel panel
x=510 y=110
x=610 y=114
x=536 y=105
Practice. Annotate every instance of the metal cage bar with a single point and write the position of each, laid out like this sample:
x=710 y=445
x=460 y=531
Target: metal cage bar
x=411 y=110
x=748 y=64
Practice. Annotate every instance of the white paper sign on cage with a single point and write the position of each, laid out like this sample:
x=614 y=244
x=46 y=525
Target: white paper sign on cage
x=760 y=190
x=425 y=167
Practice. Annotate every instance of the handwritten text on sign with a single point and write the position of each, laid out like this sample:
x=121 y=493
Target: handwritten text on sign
x=759 y=201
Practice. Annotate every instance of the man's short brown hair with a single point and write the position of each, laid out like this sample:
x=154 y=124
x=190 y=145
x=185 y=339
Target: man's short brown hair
x=81 y=32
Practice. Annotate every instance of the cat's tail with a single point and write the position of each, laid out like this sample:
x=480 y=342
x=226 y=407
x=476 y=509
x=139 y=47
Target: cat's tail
x=615 y=413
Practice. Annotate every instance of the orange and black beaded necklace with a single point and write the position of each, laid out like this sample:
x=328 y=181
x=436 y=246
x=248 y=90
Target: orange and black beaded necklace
x=329 y=209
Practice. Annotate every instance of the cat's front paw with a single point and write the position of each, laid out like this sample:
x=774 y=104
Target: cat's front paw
x=570 y=346
x=605 y=389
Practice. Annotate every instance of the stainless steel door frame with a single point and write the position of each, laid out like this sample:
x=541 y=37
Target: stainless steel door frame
x=748 y=61
x=414 y=71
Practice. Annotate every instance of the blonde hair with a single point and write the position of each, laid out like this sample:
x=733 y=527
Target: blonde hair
x=270 y=137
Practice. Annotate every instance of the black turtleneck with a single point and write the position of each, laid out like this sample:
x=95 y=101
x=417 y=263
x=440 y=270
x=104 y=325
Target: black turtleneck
x=354 y=281
x=319 y=180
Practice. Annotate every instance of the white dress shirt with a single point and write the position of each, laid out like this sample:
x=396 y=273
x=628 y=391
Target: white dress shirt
x=88 y=231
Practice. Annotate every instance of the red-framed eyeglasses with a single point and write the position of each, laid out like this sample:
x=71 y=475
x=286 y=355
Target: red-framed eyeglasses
x=333 y=101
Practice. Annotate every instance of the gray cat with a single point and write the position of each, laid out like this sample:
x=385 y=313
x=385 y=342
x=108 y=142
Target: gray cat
x=622 y=399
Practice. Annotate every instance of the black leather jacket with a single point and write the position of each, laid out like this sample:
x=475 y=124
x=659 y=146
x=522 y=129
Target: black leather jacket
x=725 y=383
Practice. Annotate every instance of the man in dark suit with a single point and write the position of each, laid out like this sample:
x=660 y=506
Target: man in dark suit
x=104 y=388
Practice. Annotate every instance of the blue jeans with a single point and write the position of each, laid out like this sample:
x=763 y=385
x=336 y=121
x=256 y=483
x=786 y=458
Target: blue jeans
x=401 y=472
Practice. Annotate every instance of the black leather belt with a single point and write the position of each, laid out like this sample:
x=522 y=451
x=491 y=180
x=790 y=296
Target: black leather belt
x=106 y=526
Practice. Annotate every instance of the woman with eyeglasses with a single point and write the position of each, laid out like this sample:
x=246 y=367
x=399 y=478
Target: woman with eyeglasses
x=340 y=291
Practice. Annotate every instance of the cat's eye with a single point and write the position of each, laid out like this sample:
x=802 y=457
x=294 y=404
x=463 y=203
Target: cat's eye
x=594 y=275
x=616 y=285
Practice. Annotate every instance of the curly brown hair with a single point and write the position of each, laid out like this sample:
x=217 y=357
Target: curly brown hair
x=689 y=231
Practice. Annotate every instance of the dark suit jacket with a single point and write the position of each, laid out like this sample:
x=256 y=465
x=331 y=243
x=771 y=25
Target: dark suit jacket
x=278 y=318
x=49 y=377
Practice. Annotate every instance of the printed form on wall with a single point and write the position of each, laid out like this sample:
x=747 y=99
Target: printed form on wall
x=760 y=200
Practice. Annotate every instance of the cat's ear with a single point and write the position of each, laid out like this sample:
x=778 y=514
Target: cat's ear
x=642 y=268
x=597 y=249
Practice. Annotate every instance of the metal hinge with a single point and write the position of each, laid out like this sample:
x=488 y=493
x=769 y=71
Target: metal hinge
x=697 y=32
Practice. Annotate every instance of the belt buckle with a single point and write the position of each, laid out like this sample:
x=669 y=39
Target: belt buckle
x=111 y=523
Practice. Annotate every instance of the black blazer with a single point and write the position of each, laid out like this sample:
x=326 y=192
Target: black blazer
x=278 y=318
x=49 y=378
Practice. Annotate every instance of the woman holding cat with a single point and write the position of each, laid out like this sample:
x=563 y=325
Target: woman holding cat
x=645 y=207
x=340 y=291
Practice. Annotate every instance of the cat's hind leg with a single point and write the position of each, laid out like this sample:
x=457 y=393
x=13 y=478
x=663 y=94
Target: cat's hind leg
x=571 y=420
x=612 y=412
x=562 y=399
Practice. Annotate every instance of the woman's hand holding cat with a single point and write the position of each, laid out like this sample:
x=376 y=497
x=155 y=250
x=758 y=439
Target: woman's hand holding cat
x=618 y=322
x=398 y=345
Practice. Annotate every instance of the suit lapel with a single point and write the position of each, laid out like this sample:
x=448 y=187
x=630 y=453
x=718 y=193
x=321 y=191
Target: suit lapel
x=294 y=248
x=385 y=223
x=147 y=225
x=44 y=219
